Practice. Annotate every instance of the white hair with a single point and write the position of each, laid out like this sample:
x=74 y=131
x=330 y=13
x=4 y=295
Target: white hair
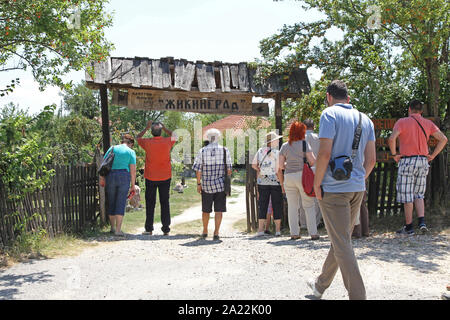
x=212 y=135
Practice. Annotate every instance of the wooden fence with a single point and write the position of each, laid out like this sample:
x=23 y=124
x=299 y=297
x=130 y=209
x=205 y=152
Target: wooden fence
x=381 y=200
x=68 y=203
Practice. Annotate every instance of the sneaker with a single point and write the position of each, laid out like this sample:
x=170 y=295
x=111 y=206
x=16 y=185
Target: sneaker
x=278 y=234
x=216 y=237
x=315 y=237
x=267 y=232
x=260 y=234
x=166 y=233
x=147 y=233
x=423 y=228
x=312 y=284
x=405 y=232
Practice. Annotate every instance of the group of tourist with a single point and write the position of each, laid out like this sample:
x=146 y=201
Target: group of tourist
x=342 y=156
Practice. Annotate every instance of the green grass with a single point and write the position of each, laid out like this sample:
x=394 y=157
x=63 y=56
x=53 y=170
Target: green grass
x=72 y=244
x=179 y=202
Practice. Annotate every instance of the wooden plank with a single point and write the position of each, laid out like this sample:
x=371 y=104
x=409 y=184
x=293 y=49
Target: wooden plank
x=377 y=184
x=126 y=77
x=136 y=74
x=178 y=73
x=166 y=77
x=225 y=78
x=383 y=190
x=146 y=73
x=392 y=183
x=205 y=78
x=234 y=71
x=243 y=77
x=184 y=75
x=157 y=74
x=188 y=76
x=116 y=70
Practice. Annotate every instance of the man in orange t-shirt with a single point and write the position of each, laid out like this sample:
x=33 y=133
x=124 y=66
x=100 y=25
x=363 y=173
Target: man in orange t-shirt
x=413 y=133
x=157 y=173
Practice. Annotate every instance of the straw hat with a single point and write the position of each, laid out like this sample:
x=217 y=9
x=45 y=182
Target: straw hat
x=272 y=136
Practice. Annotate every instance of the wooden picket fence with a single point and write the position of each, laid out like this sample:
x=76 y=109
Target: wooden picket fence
x=68 y=203
x=381 y=200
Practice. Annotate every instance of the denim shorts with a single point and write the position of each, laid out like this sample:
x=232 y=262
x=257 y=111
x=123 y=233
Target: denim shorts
x=117 y=187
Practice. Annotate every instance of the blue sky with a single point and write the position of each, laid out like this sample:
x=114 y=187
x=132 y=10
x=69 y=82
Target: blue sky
x=208 y=30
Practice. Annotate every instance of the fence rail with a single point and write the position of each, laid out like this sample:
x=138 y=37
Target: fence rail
x=68 y=203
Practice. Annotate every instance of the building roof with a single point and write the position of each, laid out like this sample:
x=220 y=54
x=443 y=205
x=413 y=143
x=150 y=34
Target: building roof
x=235 y=122
x=183 y=75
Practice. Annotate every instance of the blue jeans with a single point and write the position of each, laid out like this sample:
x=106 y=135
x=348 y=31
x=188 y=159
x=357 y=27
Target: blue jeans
x=117 y=187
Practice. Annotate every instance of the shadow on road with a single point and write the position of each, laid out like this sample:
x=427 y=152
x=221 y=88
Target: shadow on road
x=15 y=281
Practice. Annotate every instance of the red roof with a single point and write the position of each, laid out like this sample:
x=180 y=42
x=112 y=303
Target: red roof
x=237 y=122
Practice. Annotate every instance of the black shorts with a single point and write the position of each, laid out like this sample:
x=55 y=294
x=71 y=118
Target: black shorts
x=219 y=199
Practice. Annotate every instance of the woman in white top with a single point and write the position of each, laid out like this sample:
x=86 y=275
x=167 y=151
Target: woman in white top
x=291 y=161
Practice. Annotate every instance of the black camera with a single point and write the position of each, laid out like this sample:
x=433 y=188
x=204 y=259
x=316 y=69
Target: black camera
x=341 y=168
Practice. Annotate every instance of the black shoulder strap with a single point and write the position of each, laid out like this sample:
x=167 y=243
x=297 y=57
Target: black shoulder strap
x=264 y=158
x=304 y=151
x=225 y=160
x=423 y=130
x=357 y=137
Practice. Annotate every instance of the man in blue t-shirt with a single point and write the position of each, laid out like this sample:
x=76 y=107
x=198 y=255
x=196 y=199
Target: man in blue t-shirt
x=340 y=200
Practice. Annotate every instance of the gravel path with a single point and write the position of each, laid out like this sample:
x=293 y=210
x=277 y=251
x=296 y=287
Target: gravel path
x=239 y=266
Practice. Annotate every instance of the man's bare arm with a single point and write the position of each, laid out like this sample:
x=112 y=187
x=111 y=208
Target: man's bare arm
x=442 y=141
x=370 y=157
x=141 y=134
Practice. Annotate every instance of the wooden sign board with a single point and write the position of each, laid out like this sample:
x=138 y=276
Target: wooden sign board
x=383 y=142
x=200 y=102
x=388 y=124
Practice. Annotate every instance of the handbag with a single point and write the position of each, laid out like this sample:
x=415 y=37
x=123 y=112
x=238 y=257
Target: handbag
x=342 y=166
x=106 y=166
x=227 y=178
x=307 y=175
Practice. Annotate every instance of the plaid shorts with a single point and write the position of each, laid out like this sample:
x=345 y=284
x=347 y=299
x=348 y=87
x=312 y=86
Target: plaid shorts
x=412 y=179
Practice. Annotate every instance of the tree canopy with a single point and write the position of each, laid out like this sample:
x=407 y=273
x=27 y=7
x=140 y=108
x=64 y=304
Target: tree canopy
x=391 y=51
x=52 y=37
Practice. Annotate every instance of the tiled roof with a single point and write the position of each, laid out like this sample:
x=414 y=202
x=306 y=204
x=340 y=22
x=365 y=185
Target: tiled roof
x=237 y=122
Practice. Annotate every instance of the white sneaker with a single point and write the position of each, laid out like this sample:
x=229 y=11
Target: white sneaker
x=277 y=234
x=312 y=284
x=260 y=234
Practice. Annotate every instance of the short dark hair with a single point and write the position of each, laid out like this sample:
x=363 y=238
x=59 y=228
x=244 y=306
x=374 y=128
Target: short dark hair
x=338 y=89
x=309 y=123
x=416 y=105
x=156 y=129
x=128 y=138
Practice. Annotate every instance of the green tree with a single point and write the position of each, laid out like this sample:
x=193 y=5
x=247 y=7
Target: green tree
x=385 y=63
x=82 y=100
x=52 y=37
x=22 y=151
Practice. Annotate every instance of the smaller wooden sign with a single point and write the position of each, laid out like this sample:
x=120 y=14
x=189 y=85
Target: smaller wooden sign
x=388 y=124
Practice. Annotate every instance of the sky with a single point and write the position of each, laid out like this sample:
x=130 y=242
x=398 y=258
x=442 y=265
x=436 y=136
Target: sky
x=208 y=30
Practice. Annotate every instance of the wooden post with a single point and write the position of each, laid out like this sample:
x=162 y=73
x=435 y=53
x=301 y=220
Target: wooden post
x=278 y=116
x=105 y=118
x=101 y=191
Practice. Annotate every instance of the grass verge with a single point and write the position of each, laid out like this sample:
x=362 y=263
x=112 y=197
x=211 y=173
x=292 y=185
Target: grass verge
x=40 y=246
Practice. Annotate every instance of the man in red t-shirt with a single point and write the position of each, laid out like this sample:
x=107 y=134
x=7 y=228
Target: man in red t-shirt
x=157 y=173
x=413 y=133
